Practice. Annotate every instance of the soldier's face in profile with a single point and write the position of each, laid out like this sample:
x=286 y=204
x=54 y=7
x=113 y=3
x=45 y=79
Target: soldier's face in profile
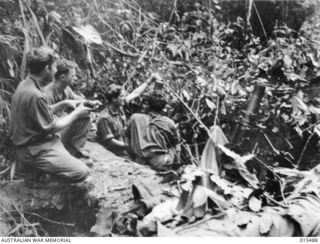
x=71 y=77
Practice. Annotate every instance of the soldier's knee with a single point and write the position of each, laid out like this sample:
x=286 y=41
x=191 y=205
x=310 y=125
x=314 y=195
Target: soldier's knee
x=83 y=173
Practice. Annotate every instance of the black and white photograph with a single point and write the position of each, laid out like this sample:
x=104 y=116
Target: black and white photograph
x=159 y=118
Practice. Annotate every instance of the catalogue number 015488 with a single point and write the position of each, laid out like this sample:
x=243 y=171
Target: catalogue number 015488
x=309 y=239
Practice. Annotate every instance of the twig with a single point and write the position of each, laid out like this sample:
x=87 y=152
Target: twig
x=24 y=220
x=249 y=12
x=268 y=167
x=255 y=147
x=217 y=113
x=274 y=201
x=187 y=148
x=26 y=42
x=48 y=220
x=196 y=148
x=134 y=55
x=153 y=44
x=5 y=170
x=264 y=31
x=174 y=10
x=13 y=170
x=304 y=149
x=311 y=126
x=182 y=228
x=9 y=215
x=282 y=185
x=276 y=151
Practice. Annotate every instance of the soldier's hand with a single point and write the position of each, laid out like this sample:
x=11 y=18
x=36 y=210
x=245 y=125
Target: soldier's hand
x=72 y=103
x=82 y=111
x=95 y=103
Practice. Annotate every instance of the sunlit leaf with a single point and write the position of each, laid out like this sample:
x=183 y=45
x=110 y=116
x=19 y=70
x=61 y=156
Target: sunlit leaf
x=186 y=94
x=89 y=33
x=266 y=223
x=255 y=204
x=54 y=16
x=199 y=196
x=317 y=130
x=201 y=81
x=299 y=105
x=210 y=104
x=235 y=86
x=235 y=156
x=223 y=184
x=163 y=231
x=314 y=110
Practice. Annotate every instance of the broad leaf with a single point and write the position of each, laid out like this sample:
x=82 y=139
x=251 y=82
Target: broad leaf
x=210 y=104
x=201 y=81
x=186 y=94
x=255 y=204
x=199 y=197
x=89 y=33
x=266 y=223
x=163 y=231
x=235 y=87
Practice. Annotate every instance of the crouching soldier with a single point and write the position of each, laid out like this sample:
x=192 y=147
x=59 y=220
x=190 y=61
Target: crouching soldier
x=154 y=138
x=34 y=131
x=63 y=100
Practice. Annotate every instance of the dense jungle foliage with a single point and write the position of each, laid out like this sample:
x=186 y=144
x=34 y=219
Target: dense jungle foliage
x=211 y=54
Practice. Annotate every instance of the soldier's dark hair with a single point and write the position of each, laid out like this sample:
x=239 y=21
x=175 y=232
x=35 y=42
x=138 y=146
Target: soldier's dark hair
x=157 y=102
x=113 y=91
x=39 y=58
x=64 y=66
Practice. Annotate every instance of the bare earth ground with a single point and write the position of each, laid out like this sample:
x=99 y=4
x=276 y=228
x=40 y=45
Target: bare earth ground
x=108 y=186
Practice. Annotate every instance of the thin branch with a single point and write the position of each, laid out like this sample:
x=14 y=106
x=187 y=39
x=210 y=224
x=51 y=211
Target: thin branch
x=304 y=149
x=26 y=42
x=174 y=10
x=311 y=126
x=217 y=113
x=249 y=12
x=182 y=228
x=48 y=220
x=274 y=201
x=8 y=213
x=268 y=167
x=24 y=220
x=264 y=31
x=134 y=55
x=5 y=170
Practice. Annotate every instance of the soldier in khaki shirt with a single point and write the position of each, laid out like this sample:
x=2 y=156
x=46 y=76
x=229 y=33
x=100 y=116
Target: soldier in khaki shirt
x=34 y=131
x=75 y=135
